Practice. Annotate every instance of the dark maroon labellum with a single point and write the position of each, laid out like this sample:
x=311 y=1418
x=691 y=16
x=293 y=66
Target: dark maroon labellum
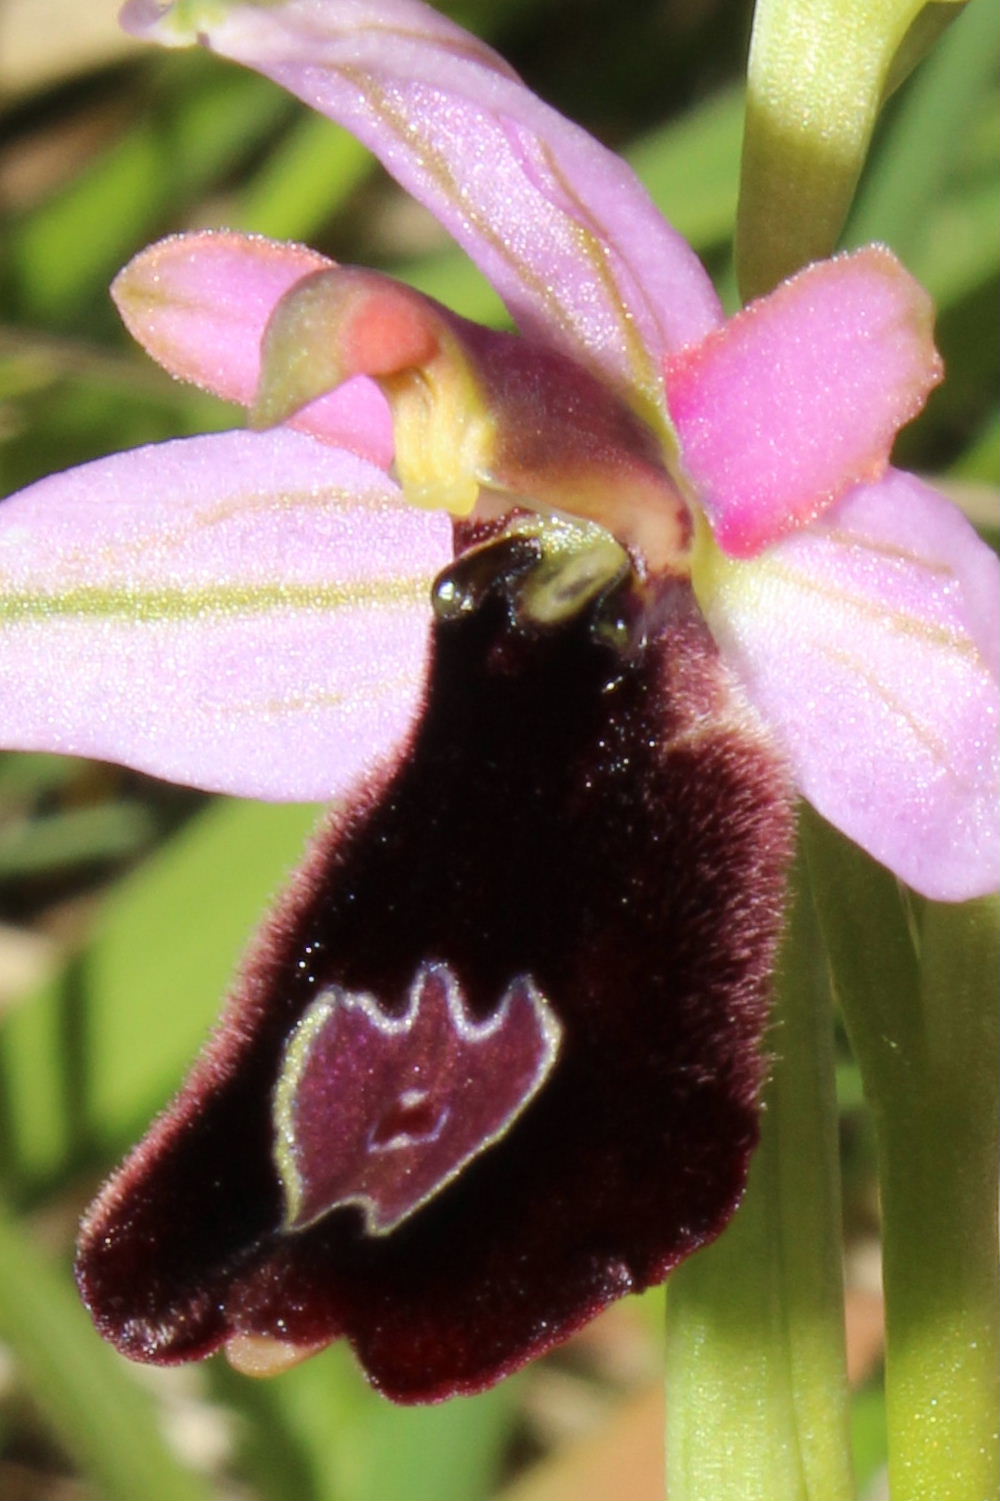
x=497 y=1058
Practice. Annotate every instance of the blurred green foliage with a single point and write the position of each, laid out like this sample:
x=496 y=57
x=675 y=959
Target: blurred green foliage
x=95 y=163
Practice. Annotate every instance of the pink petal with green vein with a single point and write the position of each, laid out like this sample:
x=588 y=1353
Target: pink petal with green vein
x=799 y=397
x=245 y=612
x=199 y=303
x=562 y=226
x=869 y=643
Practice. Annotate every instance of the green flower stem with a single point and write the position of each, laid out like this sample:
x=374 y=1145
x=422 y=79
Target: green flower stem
x=927 y=1041
x=756 y=1385
x=817 y=76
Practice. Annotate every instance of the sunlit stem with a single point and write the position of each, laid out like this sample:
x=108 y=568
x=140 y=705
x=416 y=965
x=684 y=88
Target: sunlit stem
x=756 y=1384
x=919 y=999
x=818 y=73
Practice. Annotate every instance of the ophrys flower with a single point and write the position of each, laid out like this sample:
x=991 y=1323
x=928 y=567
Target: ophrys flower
x=575 y=860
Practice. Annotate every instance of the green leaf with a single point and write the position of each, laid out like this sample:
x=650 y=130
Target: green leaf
x=320 y=1433
x=691 y=168
x=452 y=278
x=915 y=164
x=96 y=1409
x=107 y=831
x=125 y=1023
x=446 y=1453
x=981 y=460
x=186 y=139
x=756 y=1377
x=868 y=1442
x=304 y=181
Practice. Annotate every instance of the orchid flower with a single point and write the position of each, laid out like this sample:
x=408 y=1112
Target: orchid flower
x=564 y=617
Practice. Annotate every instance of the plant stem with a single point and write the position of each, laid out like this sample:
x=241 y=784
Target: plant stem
x=927 y=1042
x=817 y=76
x=756 y=1385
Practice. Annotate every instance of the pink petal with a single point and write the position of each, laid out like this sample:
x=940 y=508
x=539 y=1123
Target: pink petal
x=245 y=612
x=862 y=641
x=799 y=397
x=561 y=226
x=199 y=304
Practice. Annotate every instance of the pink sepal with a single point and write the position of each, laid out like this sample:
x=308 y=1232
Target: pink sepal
x=868 y=643
x=245 y=612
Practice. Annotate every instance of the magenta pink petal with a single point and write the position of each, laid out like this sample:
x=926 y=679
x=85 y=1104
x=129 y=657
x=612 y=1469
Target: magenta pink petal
x=199 y=303
x=862 y=642
x=799 y=397
x=245 y=612
x=561 y=226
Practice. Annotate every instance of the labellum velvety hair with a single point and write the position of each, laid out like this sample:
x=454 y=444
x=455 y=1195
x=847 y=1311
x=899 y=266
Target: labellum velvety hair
x=496 y=1060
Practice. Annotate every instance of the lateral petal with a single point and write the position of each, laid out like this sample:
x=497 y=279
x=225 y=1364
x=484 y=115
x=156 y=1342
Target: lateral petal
x=199 y=304
x=799 y=397
x=244 y=612
x=869 y=643
x=561 y=226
